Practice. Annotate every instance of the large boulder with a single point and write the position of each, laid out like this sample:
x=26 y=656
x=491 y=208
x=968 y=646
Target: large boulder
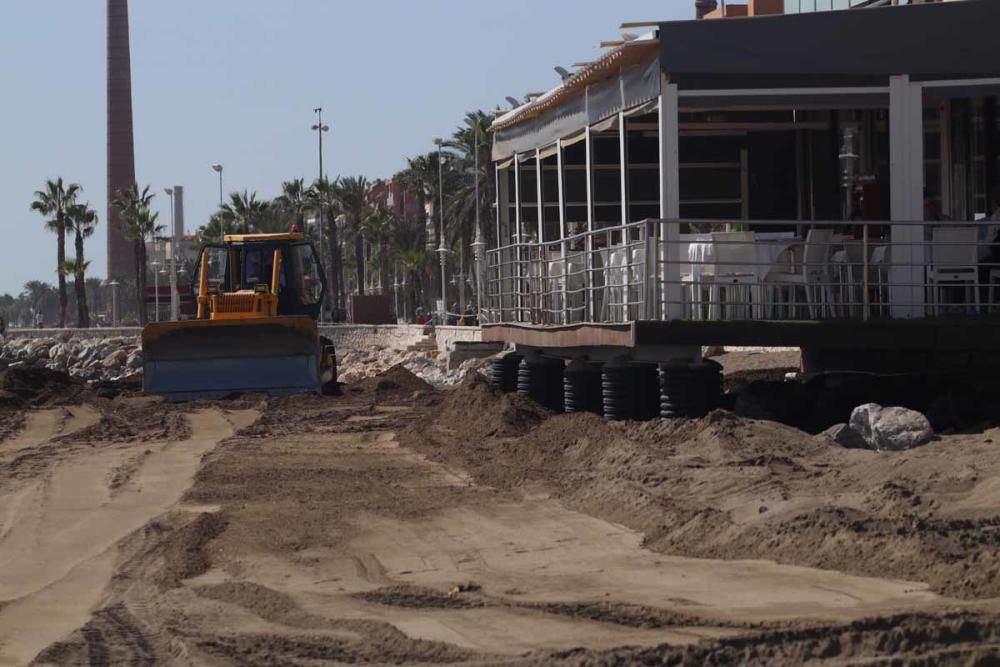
x=134 y=361
x=845 y=436
x=891 y=429
x=116 y=359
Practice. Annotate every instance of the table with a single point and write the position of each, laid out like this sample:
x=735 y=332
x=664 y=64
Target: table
x=768 y=246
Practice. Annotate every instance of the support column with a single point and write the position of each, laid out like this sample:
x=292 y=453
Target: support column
x=517 y=237
x=623 y=167
x=564 y=246
x=670 y=202
x=591 y=288
x=906 y=169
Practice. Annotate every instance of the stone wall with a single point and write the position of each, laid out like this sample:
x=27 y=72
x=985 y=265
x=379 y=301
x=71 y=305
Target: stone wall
x=345 y=337
x=447 y=336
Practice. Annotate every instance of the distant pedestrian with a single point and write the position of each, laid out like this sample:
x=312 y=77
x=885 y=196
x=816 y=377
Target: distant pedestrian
x=39 y=321
x=3 y=329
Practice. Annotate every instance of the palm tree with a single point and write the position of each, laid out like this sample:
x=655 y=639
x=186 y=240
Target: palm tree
x=94 y=288
x=244 y=212
x=352 y=193
x=377 y=228
x=409 y=251
x=215 y=229
x=421 y=178
x=39 y=296
x=138 y=224
x=53 y=202
x=323 y=196
x=294 y=201
x=82 y=220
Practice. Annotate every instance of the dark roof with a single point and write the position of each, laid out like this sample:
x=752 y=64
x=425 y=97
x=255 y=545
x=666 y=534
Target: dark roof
x=940 y=40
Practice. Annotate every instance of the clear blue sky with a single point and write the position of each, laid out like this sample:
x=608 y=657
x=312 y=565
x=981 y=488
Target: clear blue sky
x=235 y=81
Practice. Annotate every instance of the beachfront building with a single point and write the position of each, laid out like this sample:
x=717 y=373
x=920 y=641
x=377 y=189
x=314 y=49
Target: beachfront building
x=835 y=166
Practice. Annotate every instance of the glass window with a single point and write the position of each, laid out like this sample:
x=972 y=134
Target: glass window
x=307 y=268
x=217 y=267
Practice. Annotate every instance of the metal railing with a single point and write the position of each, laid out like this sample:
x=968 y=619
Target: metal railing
x=762 y=270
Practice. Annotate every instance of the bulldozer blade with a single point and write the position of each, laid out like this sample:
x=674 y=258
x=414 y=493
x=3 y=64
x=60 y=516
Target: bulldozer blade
x=212 y=359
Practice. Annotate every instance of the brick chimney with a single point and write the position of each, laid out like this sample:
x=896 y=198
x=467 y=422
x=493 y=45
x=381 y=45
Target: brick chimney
x=121 y=151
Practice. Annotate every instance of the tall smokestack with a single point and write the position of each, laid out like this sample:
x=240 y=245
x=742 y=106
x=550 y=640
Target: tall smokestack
x=121 y=148
x=178 y=229
x=702 y=7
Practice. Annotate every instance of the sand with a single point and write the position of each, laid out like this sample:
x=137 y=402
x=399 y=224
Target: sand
x=399 y=524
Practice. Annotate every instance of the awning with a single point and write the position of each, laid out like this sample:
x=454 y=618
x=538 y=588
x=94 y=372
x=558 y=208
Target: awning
x=632 y=87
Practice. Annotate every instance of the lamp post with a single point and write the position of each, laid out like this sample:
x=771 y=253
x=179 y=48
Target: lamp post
x=442 y=250
x=114 y=302
x=175 y=301
x=217 y=168
x=479 y=244
x=156 y=290
x=319 y=128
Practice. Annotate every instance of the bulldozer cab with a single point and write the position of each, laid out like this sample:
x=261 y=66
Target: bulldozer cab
x=259 y=299
x=245 y=263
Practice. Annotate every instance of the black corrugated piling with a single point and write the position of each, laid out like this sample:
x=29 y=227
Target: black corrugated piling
x=540 y=378
x=503 y=372
x=618 y=385
x=690 y=389
x=582 y=387
x=647 y=395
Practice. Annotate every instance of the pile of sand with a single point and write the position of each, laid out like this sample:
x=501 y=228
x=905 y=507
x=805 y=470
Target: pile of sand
x=477 y=410
x=733 y=488
x=38 y=387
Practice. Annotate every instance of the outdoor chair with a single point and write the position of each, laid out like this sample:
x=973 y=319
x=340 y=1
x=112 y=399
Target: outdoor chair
x=954 y=264
x=732 y=283
x=813 y=277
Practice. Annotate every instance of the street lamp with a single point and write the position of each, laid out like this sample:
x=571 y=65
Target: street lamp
x=319 y=128
x=156 y=290
x=175 y=301
x=217 y=168
x=114 y=302
x=479 y=245
x=442 y=250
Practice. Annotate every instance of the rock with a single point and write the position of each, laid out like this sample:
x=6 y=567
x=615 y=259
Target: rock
x=892 y=428
x=115 y=359
x=134 y=361
x=845 y=436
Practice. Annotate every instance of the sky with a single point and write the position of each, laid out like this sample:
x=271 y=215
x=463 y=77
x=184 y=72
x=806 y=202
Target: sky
x=236 y=82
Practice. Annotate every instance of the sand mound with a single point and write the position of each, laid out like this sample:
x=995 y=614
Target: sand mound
x=734 y=488
x=476 y=410
x=397 y=379
x=38 y=387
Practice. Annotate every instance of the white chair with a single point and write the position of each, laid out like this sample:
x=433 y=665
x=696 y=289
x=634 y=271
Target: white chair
x=954 y=263
x=554 y=288
x=880 y=264
x=615 y=281
x=576 y=283
x=733 y=278
x=813 y=278
x=636 y=284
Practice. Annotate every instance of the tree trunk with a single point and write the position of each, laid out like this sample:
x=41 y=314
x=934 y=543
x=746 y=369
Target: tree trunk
x=82 y=312
x=140 y=280
x=359 y=260
x=335 y=270
x=61 y=272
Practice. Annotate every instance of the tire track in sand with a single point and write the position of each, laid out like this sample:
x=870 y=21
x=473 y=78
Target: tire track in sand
x=58 y=554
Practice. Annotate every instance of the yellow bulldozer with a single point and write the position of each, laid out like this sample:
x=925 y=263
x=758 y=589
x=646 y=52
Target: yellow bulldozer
x=259 y=299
